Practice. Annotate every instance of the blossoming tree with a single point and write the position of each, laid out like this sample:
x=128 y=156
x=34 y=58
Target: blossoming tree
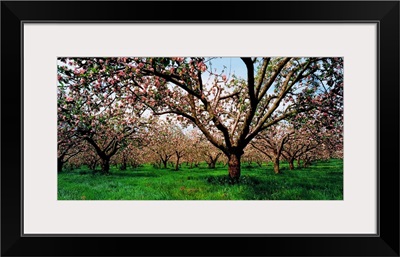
x=94 y=113
x=229 y=110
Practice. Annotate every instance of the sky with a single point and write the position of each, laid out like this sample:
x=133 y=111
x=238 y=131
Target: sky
x=234 y=65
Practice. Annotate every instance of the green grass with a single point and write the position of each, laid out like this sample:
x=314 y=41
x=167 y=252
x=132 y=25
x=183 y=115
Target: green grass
x=320 y=181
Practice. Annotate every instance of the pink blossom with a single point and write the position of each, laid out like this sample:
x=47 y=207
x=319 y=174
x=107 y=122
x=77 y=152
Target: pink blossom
x=69 y=99
x=202 y=66
x=79 y=71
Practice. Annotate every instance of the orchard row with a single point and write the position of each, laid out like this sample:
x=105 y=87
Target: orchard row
x=167 y=144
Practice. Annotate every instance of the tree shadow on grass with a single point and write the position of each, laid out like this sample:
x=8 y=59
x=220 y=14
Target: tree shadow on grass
x=284 y=187
x=252 y=188
x=226 y=180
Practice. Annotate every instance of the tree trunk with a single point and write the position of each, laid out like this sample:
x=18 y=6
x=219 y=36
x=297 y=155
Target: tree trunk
x=291 y=164
x=234 y=167
x=306 y=162
x=177 y=163
x=123 y=166
x=165 y=163
x=60 y=164
x=276 y=165
x=105 y=166
x=211 y=165
x=92 y=165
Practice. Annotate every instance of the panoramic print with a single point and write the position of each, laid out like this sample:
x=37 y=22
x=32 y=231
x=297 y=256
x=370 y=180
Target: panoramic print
x=200 y=128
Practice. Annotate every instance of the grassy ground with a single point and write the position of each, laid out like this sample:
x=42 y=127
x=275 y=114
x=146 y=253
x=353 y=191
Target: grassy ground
x=321 y=181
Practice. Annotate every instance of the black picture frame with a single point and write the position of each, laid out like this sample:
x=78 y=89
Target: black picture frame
x=384 y=13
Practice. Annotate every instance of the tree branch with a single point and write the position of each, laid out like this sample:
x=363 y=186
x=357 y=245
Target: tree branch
x=229 y=95
x=262 y=76
x=278 y=69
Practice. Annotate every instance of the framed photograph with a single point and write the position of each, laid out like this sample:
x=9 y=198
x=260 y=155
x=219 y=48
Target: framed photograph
x=228 y=128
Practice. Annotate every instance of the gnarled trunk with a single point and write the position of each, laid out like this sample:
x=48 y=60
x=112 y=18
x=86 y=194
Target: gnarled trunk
x=306 y=163
x=105 y=166
x=92 y=165
x=212 y=161
x=60 y=164
x=291 y=164
x=177 y=163
x=276 y=165
x=211 y=165
x=234 y=167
